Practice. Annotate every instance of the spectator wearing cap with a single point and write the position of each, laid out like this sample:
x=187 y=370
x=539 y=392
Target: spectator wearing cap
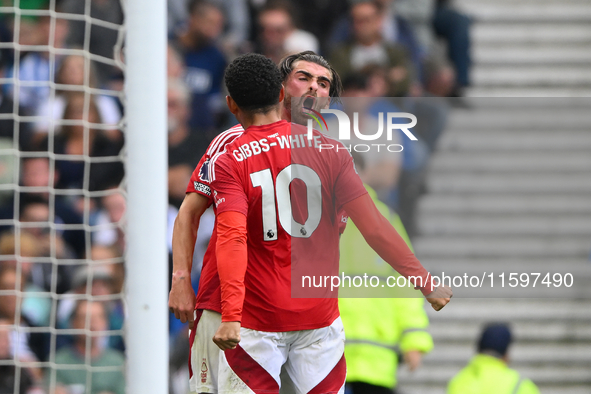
x=488 y=372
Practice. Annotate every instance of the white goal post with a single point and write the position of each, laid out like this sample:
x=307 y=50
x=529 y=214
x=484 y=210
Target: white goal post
x=147 y=270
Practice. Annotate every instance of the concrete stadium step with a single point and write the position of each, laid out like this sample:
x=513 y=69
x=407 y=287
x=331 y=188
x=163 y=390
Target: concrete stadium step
x=518 y=104
x=530 y=91
x=533 y=12
x=503 y=247
x=521 y=355
x=523 y=332
x=547 y=33
x=533 y=224
x=553 y=161
x=508 y=190
x=520 y=118
x=504 y=204
x=443 y=373
x=512 y=310
x=579 y=267
x=515 y=183
x=540 y=75
x=532 y=54
x=419 y=388
x=511 y=141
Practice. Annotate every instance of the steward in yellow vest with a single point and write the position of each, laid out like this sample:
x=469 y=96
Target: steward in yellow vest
x=488 y=372
x=377 y=330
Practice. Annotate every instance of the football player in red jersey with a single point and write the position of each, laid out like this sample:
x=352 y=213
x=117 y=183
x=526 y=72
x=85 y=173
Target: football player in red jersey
x=304 y=74
x=263 y=327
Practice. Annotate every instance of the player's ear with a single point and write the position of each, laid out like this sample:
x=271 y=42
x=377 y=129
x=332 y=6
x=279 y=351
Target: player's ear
x=232 y=106
x=282 y=93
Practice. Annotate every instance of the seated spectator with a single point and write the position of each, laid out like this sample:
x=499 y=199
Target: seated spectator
x=36 y=175
x=27 y=346
x=89 y=316
x=35 y=66
x=234 y=39
x=103 y=39
x=76 y=139
x=72 y=73
x=454 y=27
x=112 y=259
x=185 y=147
x=205 y=64
x=8 y=372
x=279 y=35
x=394 y=29
x=97 y=282
x=7 y=52
x=109 y=220
x=7 y=124
x=419 y=15
x=368 y=47
x=175 y=65
x=36 y=308
x=410 y=23
x=319 y=17
x=34 y=219
x=383 y=167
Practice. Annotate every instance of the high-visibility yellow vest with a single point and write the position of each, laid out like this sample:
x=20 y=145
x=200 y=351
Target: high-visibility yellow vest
x=377 y=329
x=489 y=375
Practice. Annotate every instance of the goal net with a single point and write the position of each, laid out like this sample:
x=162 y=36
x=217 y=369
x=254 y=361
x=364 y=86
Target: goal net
x=62 y=197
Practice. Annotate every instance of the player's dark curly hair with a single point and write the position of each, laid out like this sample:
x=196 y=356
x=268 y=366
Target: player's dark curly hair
x=254 y=82
x=286 y=67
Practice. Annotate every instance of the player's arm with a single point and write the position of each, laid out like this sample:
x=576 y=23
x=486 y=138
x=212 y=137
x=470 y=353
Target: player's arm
x=383 y=238
x=232 y=260
x=231 y=250
x=181 y=300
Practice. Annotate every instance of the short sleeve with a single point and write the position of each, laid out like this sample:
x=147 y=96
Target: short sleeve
x=348 y=185
x=200 y=180
x=227 y=187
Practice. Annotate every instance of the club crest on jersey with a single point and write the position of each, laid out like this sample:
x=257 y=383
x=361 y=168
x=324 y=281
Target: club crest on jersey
x=204 y=171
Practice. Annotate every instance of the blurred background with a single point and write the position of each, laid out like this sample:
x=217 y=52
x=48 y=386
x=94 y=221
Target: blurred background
x=501 y=175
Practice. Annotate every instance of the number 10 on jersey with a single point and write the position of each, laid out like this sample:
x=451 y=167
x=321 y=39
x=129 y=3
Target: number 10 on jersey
x=276 y=198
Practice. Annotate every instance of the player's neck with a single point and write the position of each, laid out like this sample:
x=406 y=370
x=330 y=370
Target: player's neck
x=260 y=119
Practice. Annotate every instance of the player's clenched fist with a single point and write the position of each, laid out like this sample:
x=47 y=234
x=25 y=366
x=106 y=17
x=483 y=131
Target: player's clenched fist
x=440 y=297
x=227 y=335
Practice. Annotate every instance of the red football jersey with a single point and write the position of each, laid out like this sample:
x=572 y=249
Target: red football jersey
x=208 y=294
x=292 y=195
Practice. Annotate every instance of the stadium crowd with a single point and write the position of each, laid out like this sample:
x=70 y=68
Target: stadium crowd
x=62 y=225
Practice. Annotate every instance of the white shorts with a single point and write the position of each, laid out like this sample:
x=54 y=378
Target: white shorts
x=205 y=355
x=313 y=359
